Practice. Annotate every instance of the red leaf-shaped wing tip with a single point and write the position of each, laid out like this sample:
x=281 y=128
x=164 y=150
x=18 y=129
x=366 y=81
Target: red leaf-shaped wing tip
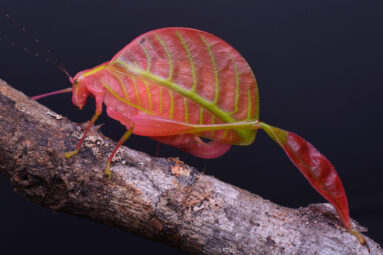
x=315 y=167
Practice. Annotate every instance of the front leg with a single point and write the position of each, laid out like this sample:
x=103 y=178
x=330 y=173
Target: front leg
x=92 y=121
x=99 y=99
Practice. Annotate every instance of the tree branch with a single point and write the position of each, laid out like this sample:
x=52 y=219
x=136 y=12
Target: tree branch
x=160 y=199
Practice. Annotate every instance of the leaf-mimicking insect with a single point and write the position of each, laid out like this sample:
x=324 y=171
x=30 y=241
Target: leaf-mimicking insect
x=177 y=85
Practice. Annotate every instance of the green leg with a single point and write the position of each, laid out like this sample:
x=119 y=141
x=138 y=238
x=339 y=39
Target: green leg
x=122 y=140
x=92 y=121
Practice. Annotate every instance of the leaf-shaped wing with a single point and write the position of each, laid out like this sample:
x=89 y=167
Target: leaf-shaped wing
x=190 y=76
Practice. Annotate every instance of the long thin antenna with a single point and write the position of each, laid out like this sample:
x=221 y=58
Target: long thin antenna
x=57 y=62
x=67 y=90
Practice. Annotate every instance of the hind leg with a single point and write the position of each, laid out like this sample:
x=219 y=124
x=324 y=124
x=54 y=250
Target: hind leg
x=158 y=149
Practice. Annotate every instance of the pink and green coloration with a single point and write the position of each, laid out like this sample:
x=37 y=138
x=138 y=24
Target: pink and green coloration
x=177 y=85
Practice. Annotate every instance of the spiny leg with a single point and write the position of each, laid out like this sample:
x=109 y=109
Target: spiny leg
x=122 y=140
x=92 y=121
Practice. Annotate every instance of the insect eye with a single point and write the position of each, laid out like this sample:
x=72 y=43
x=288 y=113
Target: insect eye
x=75 y=82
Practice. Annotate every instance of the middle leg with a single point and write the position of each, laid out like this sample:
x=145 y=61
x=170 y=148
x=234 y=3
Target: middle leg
x=122 y=140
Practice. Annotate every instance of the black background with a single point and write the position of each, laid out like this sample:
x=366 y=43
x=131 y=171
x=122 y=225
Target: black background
x=319 y=68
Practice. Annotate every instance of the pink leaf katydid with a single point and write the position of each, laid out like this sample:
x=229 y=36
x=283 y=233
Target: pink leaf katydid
x=177 y=85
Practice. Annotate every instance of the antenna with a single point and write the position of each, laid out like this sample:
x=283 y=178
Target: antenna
x=57 y=62
x=67 y=90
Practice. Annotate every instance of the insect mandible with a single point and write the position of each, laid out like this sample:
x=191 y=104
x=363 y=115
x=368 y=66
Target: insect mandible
x=177 y=85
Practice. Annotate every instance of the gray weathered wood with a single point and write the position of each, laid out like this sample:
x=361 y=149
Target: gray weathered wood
x=160 y=199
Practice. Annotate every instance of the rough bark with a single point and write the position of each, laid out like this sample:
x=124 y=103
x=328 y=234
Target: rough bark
x=160 y=199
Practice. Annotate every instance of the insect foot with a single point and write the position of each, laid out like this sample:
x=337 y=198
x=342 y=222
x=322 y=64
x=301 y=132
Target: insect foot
x=359 y=236
x=107 y=170
x=70 y=154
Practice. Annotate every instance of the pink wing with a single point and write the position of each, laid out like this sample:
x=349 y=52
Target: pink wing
x=214 y=83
